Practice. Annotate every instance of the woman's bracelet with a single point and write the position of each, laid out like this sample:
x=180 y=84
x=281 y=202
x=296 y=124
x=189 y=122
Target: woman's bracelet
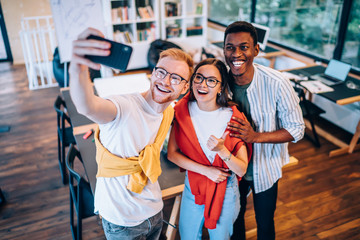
x=227 y=158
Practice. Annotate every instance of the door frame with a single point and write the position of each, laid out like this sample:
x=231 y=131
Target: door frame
x=5 y=38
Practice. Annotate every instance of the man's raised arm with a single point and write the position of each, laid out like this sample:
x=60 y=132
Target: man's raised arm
x=81 y=90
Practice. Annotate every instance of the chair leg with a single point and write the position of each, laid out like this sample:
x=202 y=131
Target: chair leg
x=315 y=139
x=79 y=224
x=72 y=227
x=63 y=166
x=2 y=198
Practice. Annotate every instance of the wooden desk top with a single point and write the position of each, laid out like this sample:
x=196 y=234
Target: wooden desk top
x=76 y=118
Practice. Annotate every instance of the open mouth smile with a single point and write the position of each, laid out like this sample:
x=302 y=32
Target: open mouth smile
x=162 y=89
x=238 y=63
x=202 y=92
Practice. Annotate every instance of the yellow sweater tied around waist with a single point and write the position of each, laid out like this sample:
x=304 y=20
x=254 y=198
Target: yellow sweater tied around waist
x=145 y=166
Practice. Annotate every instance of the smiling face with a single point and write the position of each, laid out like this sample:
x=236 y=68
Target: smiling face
x=162 y=90
x=205 y=95
x=239 y=51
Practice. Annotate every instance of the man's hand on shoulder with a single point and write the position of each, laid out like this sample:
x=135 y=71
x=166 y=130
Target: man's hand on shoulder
x=242 y=129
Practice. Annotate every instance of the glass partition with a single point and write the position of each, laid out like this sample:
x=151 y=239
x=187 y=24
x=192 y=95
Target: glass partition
x=351 y=52
x=228 y=11
x=309 y=25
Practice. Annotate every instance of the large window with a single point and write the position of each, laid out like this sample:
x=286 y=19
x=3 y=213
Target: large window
x=311 y=25
x=351 y=52
x=228 y=11
x=308 y=26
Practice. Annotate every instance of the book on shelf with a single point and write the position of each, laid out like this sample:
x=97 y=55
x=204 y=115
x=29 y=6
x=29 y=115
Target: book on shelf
x=120 y=11
x=146 y=34
x=120 y=14
x=143 y=13
x=128 y=37
x=173 y=30
x=123 y=37
x=194 y=30
x=150 y=11
x=172 y=9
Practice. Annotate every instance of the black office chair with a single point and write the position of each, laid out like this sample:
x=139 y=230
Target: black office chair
x=65 y=135
x=310 y=110
x=81 y=196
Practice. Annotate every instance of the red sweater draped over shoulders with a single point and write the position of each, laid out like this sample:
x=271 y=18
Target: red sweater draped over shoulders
x=205 y=190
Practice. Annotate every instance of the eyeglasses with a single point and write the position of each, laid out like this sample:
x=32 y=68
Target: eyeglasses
x=210 y=81
x=174 y=78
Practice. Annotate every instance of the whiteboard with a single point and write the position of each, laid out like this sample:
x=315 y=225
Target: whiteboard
x=72 y=17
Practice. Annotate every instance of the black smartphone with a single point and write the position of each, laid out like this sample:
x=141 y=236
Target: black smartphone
x=119 y=55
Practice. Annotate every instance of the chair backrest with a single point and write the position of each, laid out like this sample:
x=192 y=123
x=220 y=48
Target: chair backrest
x=303 y=101
x=80 y=189
x=59 y=107
x=308 y=108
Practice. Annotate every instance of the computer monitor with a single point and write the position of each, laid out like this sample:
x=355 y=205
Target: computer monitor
x=263 y=33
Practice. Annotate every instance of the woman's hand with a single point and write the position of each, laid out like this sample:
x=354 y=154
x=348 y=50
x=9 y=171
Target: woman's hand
x=216 y=144
x=217 y=174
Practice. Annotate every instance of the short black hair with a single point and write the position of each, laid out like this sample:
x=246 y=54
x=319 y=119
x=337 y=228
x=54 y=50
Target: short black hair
x=223 y=99
x=242 y=26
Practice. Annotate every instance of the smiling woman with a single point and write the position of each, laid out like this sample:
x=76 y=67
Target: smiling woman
x=200 y=144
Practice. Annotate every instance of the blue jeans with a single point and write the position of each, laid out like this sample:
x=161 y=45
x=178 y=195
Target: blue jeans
x=192 y=215
x=150 y=229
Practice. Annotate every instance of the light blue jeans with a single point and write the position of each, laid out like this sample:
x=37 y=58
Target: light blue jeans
x=150 y=229
x=192 y=215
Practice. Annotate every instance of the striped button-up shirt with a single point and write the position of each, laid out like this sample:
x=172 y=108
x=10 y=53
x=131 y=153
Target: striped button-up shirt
x=273 y=105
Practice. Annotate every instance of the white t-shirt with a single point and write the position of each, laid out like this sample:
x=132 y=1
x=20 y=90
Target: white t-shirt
x=207 y=124
x=135 y=126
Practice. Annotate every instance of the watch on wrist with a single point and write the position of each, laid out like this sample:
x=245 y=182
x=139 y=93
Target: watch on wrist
x=227 y=158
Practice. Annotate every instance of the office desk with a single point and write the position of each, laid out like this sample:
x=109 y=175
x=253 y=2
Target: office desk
x=171 y=180
x=341 y=95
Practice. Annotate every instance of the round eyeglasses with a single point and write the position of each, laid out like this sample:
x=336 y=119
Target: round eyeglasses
x=210 y=81
x=174 y=78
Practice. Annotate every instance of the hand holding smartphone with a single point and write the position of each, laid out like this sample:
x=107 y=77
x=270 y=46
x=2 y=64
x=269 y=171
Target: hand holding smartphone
x=119 y=55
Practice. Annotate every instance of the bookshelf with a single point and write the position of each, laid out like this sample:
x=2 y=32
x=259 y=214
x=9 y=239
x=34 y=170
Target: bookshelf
x=184 y=22
x=133 y=22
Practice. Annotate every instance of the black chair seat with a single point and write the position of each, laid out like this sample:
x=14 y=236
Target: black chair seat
x=311 y=109
x=69 y=137
x=87 y=206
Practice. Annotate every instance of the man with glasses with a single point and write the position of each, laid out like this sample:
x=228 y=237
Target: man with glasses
x=274 y=119
x=131 y=131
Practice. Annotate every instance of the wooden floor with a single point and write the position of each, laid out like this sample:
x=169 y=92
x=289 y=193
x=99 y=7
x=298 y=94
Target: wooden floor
x=318 y=198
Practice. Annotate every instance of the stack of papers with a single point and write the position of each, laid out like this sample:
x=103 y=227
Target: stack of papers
x=121 y=84
x=294 y=77
x=316 y=86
